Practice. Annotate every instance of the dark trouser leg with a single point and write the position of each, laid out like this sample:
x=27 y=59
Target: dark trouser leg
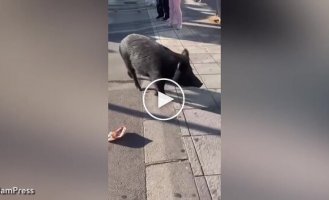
x=160 y=8
x=166 y=8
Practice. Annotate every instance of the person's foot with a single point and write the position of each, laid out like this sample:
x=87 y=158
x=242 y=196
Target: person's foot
x=159 y=16
x=179 y=27
x=165 y=18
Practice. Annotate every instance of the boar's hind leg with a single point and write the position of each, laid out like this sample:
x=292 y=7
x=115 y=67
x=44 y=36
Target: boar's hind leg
x=133 y=73
x=130 y=75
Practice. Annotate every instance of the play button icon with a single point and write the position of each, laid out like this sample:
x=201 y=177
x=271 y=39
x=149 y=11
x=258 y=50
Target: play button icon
x=157 y=106
x=163 y=99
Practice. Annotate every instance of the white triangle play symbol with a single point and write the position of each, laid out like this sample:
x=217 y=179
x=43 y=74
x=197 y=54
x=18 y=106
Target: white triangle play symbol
x=163 y=99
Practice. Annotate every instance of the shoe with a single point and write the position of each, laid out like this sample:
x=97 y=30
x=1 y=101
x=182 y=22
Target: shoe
x=158 y=17
x=165 y=18
x=179 y=27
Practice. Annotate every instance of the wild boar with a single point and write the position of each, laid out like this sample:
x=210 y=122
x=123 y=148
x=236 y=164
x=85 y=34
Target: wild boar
x=142 y=55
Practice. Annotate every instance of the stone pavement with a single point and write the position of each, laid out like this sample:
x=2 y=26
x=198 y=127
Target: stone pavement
x=182 y=157
x=195 y=159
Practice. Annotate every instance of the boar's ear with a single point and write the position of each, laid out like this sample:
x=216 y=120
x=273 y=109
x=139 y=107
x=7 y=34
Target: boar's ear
x=185 y=53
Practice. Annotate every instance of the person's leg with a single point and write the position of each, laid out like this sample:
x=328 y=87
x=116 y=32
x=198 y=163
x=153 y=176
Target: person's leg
x=176 y=14
x=179 y=15
x=171 y=12
x=166 y=9
x=159 y=9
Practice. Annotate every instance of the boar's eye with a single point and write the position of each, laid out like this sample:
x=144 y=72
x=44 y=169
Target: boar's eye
x=181 y=66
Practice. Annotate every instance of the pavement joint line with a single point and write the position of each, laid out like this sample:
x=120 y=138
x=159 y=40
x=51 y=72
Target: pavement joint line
x=185 y=136
x=193 y=142
x=120 y=81
x=213 y=174
x=208 y=186
x=197 y=155
x=200 y=175
x=165 y=162
x=197 y=191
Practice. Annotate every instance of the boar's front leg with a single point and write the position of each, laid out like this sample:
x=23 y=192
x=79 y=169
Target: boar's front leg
x=159 y=87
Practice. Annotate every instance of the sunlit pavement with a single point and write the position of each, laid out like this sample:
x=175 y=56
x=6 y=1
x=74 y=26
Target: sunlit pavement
x=173 y=159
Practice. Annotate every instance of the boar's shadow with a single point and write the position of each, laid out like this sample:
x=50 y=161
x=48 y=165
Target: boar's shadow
x=199 y=98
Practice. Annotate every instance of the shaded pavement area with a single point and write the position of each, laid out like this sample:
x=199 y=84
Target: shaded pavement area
x=172 y=159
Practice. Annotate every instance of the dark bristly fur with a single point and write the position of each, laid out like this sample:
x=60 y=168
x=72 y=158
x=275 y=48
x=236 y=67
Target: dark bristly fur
x=144 y=56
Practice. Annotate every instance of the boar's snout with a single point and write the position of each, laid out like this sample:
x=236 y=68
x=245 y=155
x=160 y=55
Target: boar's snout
x=194 y=81
x=185 y=77
x=189 y=80
x=197 y=83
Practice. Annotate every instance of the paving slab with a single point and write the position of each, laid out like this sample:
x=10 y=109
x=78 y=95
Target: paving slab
x=212 y=81
x=208 y=149
x=190 y=43
x=208 y=68
x=214 y=184
x=178 y=49
x=117 y=70
x=202 y=187
x=203 y=122
x=124 y=180
x=162 y=26
x=152 y=35
x=170 y=42
x=170 y=34
x=195 y=49
x=129 y=22
x=182 y=125
x=217 y=57
x=124 y=85
x=201 y=58
x=192 y=156
x=170 y=181
x=152 y=13
x=212 y=48
x=166 y=142
x=207 y=33
x=186 y=34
